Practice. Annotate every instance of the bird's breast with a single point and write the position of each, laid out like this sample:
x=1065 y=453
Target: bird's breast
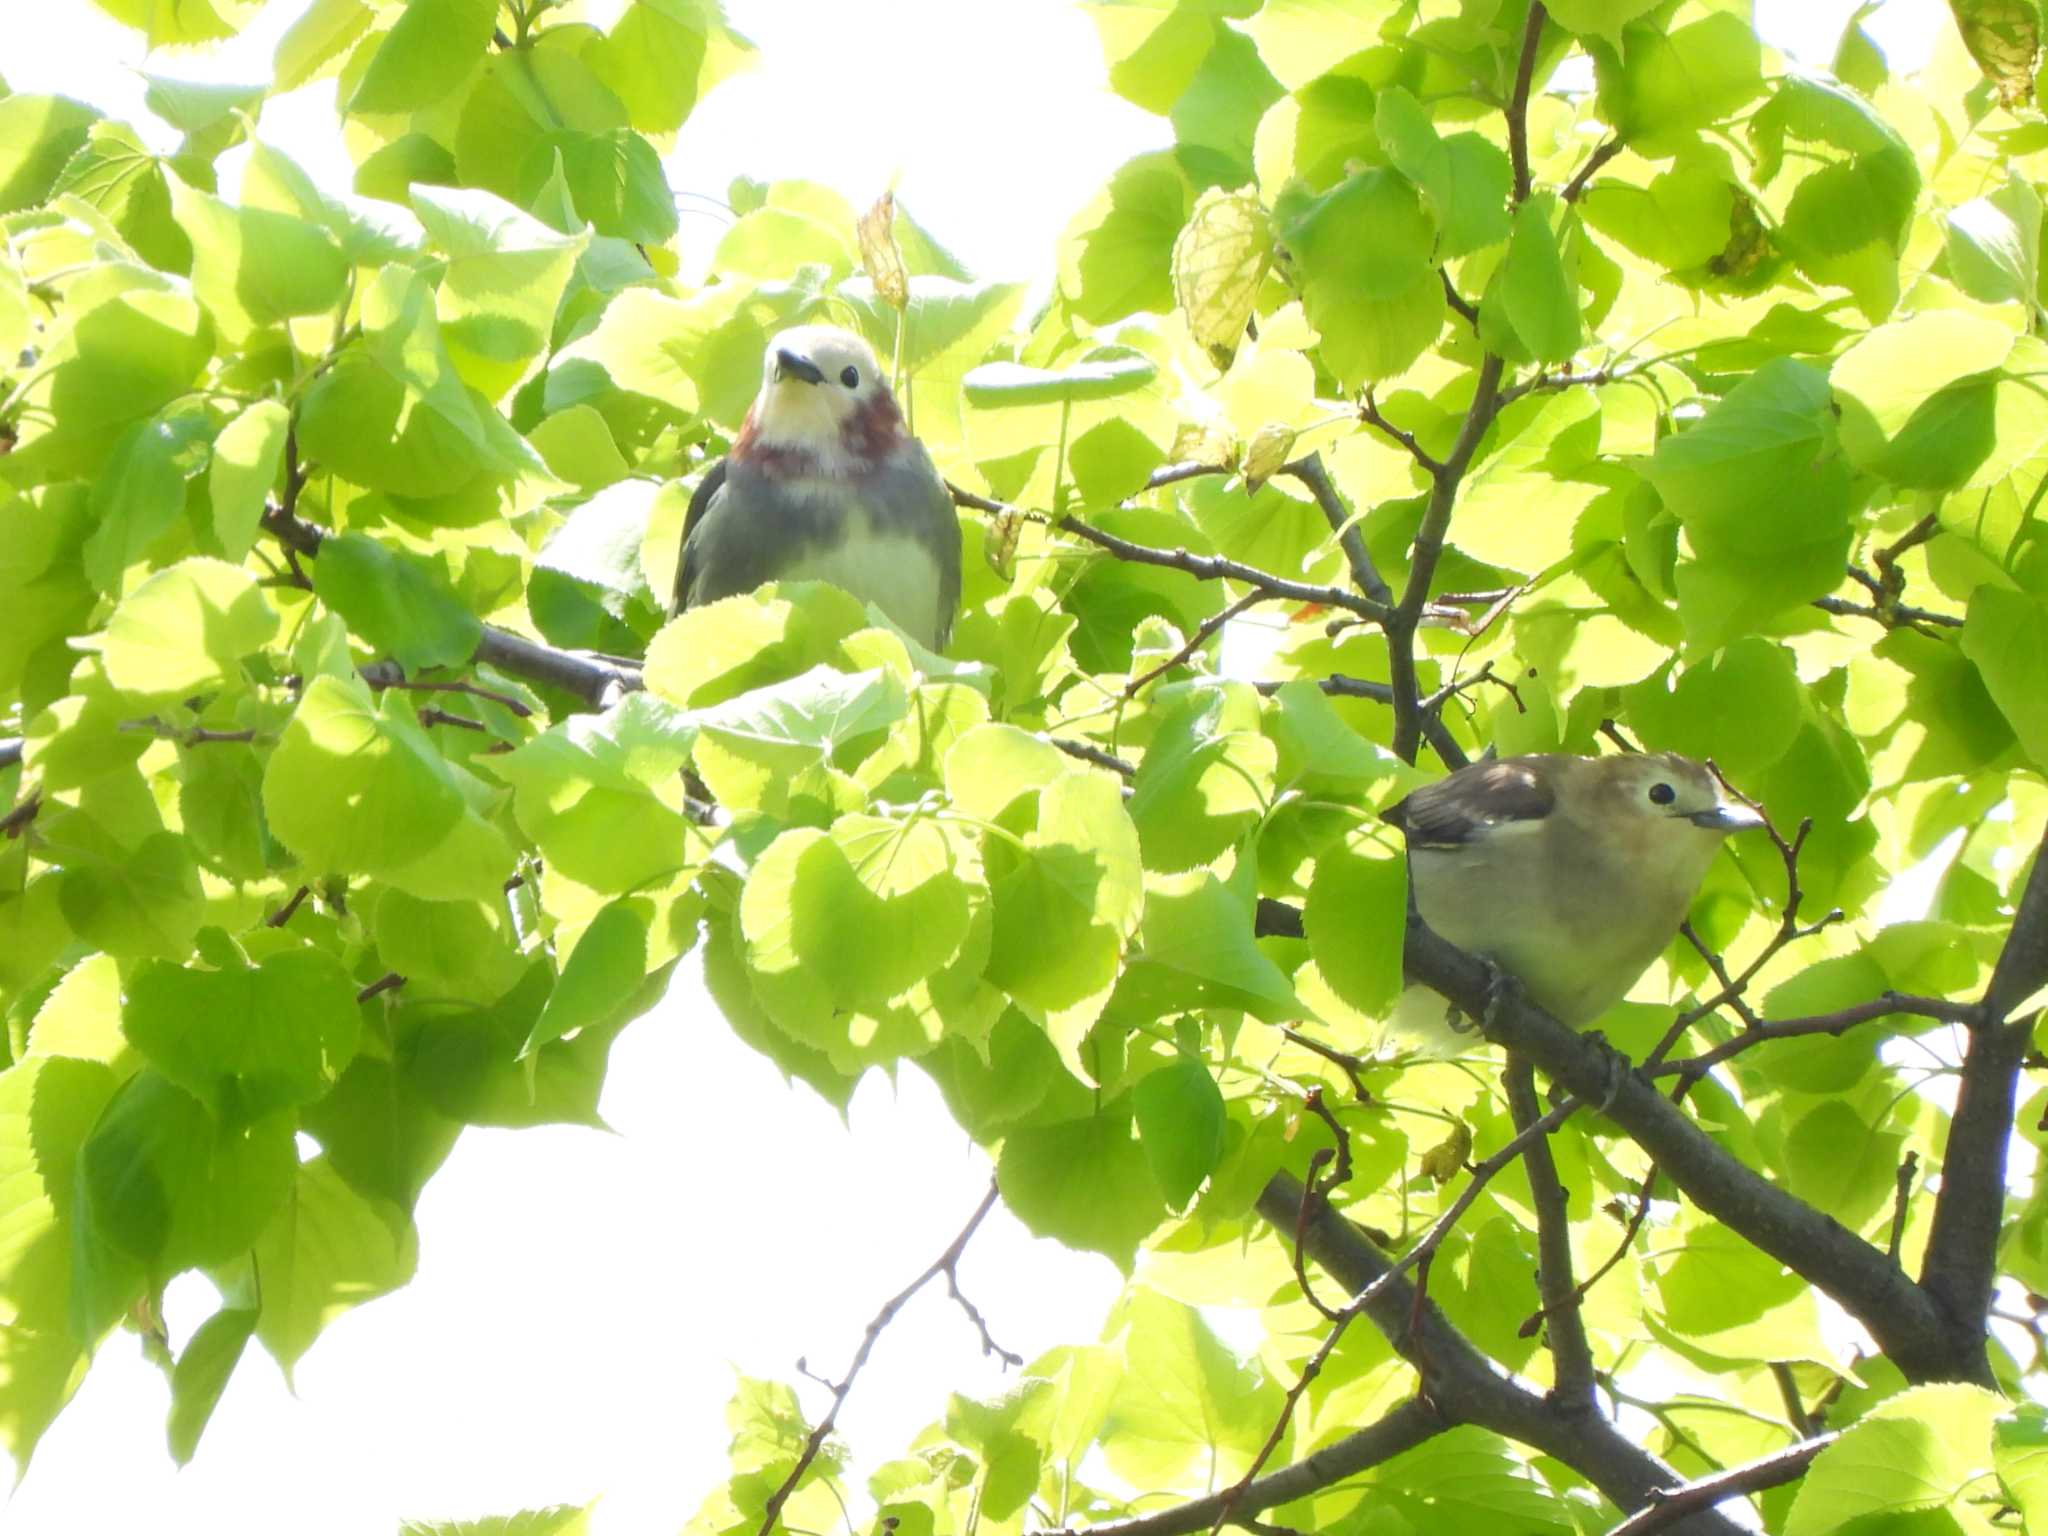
x=893 y=571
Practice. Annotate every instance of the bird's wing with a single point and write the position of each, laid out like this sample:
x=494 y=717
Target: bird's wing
x=1471 y=803
x=700 y=505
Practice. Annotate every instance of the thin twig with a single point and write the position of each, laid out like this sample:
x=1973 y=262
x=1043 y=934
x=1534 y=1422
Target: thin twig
x=1348 y=1064
x=1704 y=1493
x=1795 y=1409
x=1309 y=470
x=22 y=814
x=1369 y=413
x=390 y=981
x=1195 y=642
x=1087 y=754
x=380 y=675
x=1518 y=104
x=945 y=1264
x=284 y=913
x=1603 y=152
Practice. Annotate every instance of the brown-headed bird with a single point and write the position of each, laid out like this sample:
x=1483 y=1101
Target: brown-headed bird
x=825 y=483
x=1570 y=873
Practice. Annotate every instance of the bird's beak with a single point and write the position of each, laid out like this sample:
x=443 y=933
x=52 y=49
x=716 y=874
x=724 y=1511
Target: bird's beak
x=788 y=365
x=1727 y=818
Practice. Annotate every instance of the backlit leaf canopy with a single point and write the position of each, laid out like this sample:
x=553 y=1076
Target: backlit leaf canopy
x=1467 y=376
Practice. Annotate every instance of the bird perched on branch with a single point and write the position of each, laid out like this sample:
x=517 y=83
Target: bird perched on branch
x=824 y=482
x=1571 y=873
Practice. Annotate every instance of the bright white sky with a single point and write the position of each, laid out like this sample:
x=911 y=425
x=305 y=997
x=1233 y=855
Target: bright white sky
x=582 y=1299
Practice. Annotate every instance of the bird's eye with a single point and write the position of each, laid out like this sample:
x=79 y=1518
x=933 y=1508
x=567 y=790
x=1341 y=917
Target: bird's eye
x=1662 y=794
x=850 y=377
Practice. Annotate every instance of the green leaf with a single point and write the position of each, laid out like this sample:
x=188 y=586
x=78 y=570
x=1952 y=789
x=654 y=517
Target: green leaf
x=246 y=1041
x=1909 y=410
x=1185 y=1399
x=1085 y=1182
x=401 y=604
x=608 y=963
x=1764 y=500
x=246 y=457
x=1356 y=918
x=313 y=42
x=38 y=135
x=1179 y=1115
x=338 y=751
x=1464 y=178
x=602 y=797
x=1994 y=244
x=1195 y=949
x=1102 y=373
x=326 y=1250
x=1204 y=780
x=201 y=1375
x=1658 y=89
x=2006 y=635
x=1117 y=257
x=252 y=267
x=1919 y=1450
x=138 y=498
x=185 y=629
x=503 y=283
x=1063 y=909
x=162 y=1184
x=663 y=56
x=393 y=414
x=425 y=56
x=2019 y=1450
x=1362 y=255
x=1538 y=293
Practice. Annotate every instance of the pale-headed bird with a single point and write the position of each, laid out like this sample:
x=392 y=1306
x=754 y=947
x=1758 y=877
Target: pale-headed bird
x=1570 y=873
x=825 y=483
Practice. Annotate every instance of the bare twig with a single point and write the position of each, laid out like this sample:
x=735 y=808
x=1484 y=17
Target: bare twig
x=1704 y=1493
x=1203 y=631
x=946 y=1264
x=1401 y=1430
x=1219 y=568
x=385 y=674
x=1348 y=1064
x=1464 y=306
x=1764 y=1031
x=10 y=751
x=22 y=814
x=1795 y=1408
x=284 y=913
x=1518 y=104
x=1605 y=151
x=1309 y=470
x=1083 y=752
x=1369 y=413
x=390 y=981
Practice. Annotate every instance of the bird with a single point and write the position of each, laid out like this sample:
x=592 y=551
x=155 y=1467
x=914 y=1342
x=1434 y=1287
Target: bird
x=1569 y=873
x=824 y=482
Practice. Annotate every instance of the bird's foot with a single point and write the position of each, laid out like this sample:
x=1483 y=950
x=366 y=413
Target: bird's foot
x=1615 y=1070
x=1501 y=988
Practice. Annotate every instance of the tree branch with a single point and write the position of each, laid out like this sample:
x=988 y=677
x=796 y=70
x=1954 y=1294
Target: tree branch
x=1899 y=1314
x=1518 y=105
x=945 y=1264
x=597 y=682
x=1463 y=1385
x=10 y=751
x=1310 y=472
x=1673 y=1505
x=1218 y=568
x=1564 y=1328
x=1969 y=1209
x=1401 y=1430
